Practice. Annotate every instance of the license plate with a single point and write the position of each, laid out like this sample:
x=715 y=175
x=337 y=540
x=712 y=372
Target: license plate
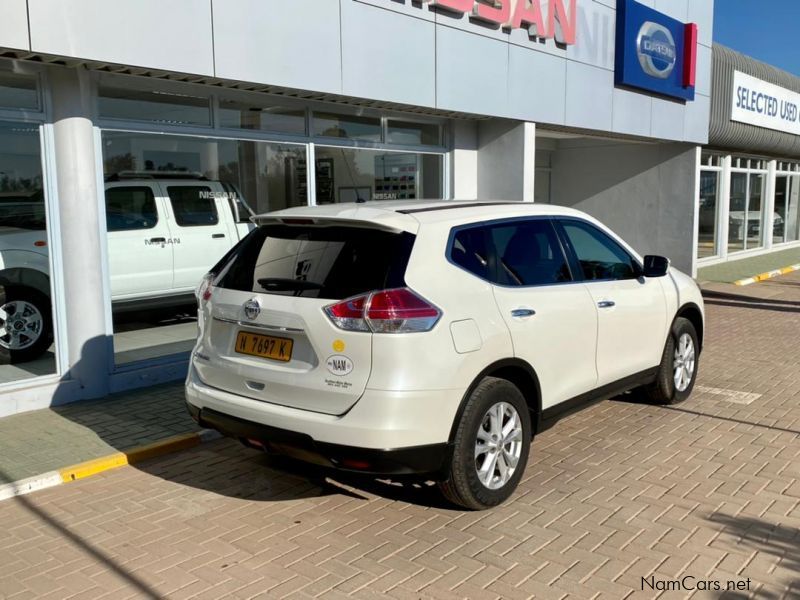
x=264 y=346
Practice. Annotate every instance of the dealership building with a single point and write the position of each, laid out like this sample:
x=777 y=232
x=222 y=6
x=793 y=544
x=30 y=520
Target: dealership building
x=137 y=137
x=749 y=196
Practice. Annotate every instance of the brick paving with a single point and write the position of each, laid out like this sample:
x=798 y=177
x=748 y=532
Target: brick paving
x=615 y=493
x=43 y=440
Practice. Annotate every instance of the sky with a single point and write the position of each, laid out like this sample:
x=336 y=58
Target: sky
x=764 y=29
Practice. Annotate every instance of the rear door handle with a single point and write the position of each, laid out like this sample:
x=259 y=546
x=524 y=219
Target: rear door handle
x=217 y=235
x=522 y=313
x=158 y=240
x=606 y=304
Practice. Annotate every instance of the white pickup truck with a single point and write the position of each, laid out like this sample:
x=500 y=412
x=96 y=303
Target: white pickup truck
x=164 y=234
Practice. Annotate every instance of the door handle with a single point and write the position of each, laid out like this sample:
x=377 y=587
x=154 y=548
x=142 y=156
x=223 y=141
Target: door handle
x=522 y=313
x=217 y=235
x=158 y=240
x=606 y=304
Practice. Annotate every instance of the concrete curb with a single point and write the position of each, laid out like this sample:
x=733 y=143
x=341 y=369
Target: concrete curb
x=768 y=275
x=105 y=463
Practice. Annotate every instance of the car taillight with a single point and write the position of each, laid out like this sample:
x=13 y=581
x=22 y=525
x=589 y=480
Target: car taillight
x=205 y=288
x=398 y=310
x=349 y=314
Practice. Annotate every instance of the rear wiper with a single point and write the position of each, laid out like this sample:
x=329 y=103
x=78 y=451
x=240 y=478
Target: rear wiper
x=277 y=284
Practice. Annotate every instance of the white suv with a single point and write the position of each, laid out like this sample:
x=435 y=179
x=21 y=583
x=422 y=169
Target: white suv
x=433 y=338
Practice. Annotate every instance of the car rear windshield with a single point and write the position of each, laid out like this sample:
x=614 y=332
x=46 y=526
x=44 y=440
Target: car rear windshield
x=333 y=262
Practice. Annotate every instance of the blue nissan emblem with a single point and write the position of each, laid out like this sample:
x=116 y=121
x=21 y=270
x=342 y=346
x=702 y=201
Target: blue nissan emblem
x=656 y=49
x=252 y=308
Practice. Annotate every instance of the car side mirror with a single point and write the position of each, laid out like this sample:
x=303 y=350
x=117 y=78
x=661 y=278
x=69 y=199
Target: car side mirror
x=655 y=266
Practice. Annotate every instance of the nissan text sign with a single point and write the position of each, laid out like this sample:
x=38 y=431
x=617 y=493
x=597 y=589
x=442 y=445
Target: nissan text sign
x=542 y=18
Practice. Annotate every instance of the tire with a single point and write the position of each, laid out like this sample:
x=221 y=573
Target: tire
x=664 y=390
x=463 y=485
x=36 y=324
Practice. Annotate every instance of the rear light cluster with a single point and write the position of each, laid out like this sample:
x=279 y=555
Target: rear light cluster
x=205 y=289
x=397 y=310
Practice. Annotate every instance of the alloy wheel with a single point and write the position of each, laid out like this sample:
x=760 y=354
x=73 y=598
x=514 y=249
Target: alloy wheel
x=683 y=363
x=498 y=445
x=21 y=325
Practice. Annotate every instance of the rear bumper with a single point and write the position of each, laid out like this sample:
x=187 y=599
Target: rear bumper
x=400 y=461
x=385 y=432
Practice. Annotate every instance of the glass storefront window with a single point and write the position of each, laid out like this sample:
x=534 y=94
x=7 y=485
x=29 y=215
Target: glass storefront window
x=756 y=216
x=747 y=212
x=278 y=119
x=352 y=127
x=709 y=209
x=786 y=225
x=413 y=134
x=18 y=91
x=711 y=160
x=349 y=175
x=155 y=106
x=27 y=333
x=174 y=206
x=737 y=210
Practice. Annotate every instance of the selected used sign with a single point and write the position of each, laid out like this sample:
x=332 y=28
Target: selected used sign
x=757 y=102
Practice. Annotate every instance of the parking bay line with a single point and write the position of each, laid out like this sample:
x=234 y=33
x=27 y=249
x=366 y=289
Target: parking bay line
x=733 y=396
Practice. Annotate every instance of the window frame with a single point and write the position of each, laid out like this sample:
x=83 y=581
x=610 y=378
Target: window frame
x=575 y=264
x=41 y=118
x=492 y=250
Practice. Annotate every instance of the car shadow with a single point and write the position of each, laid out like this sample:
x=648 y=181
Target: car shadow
x=741 y=301
x=229 y=468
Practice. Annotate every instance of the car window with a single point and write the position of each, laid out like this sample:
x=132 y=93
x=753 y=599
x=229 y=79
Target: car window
x=130 y=208
x=193 y=205
x=529 y=253
x=600 y=257
x=469 y=251
x=333 y=262
x=24 y=209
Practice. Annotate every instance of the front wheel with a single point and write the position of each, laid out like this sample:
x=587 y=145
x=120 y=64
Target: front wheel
x=491 y=446
x=26 y=324
x=678 y=369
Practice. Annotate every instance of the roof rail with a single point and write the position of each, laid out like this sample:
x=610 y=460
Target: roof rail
x=123 y=175
x=409 y=211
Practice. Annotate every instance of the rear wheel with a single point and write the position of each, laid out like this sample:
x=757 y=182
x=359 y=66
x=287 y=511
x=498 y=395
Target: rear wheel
x=491 y=446
x=678 y=369
x=26 y=324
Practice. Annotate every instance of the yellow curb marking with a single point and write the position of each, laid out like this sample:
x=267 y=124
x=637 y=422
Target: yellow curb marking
x=92 y=467
x=133 y=455
x=768 y=275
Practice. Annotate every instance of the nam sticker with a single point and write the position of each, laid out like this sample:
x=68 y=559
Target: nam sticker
x=339 y=365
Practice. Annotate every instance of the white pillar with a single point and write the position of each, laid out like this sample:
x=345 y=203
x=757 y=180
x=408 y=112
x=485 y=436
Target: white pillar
x=724 y=207
x=696 y=212
x=506 y=160
x=464 y=161
x=89 y=347
x=769 y=204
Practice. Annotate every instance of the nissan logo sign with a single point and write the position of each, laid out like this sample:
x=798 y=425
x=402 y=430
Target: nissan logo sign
x=252 y=309
x=656 y=49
